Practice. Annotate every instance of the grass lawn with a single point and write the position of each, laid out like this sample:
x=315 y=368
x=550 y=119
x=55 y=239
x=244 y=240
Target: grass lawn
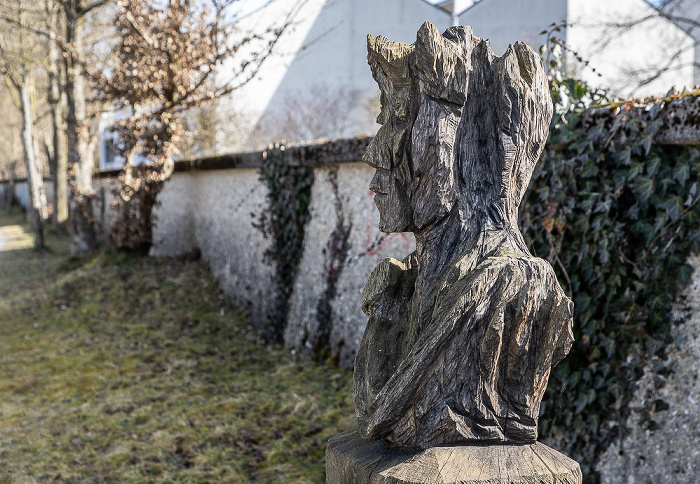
x=121 y=369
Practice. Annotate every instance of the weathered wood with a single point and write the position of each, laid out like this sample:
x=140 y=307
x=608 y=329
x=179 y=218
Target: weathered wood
x=351 y=459
x=463 y=333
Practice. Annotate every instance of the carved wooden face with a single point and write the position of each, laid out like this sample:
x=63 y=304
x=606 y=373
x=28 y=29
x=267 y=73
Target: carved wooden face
x=392 y=183
x=413 y=150
x=386 y=153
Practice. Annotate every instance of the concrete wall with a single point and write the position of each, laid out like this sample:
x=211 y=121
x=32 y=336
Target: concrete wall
x=671 y=452
x=215 y=212
x=21 y=191
x=367 y=248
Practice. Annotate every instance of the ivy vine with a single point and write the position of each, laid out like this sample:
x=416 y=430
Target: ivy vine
x=617 y=216
x=284 y=221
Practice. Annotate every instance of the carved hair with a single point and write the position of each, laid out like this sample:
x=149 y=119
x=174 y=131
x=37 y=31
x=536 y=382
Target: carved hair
x=472 y=125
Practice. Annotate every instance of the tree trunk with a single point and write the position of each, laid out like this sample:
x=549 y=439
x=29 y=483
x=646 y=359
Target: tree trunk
x=58 y=104
x=36 y=185
x=10 y=193
x=80 y=171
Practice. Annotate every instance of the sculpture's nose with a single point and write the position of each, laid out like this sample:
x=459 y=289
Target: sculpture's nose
x=378 y=183
x=378 y=154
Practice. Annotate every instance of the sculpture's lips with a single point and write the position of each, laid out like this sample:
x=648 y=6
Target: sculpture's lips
x=375 y=188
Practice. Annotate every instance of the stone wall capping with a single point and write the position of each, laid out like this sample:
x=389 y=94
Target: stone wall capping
x=680 y=114
x=314 y=153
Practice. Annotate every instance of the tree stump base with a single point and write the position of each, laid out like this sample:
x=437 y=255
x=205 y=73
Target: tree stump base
x=352 y=460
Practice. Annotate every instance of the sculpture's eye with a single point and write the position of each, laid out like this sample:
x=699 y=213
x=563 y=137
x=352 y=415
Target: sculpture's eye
x=384 y=111
x=399 y=107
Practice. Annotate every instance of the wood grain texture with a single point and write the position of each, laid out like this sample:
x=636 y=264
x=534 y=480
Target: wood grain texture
x=463 y=333
x=351 y=459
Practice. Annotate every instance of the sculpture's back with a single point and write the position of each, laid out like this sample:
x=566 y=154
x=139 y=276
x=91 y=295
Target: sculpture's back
x=463 y=333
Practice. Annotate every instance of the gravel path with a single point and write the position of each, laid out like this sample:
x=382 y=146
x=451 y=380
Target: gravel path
x=14 y=237
x=3 y=240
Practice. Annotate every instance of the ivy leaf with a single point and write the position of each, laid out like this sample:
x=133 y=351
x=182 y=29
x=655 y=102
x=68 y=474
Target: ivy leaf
x=681 y=173
x=635 y=169
x=664 y=184
x=643 y=188
x=644 y=229
x=603 y=206
x=654 y=110
x=684 y=273
x=623 y=157
x=691 y=195
x=595 y=133
x=633 y=125
x=673 y=206
x=608 y=345
x=588 y=202
x=579 y=404
x=619 y=179
x=660 y=221
x=604 y=254
x=653 y=165
x=583 y=300
x=590 y=169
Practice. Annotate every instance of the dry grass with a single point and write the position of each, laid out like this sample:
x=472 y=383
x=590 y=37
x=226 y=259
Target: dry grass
x=124 y=369
x=23 y=270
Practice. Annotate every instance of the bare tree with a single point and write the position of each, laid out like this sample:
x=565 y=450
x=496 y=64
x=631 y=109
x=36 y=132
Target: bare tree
x=57 y=100
x=678 y=50
x=11 y=128
x=199 y=133
x=165 y=59
x=20 y=52
x=80 y=167
x=323 y=111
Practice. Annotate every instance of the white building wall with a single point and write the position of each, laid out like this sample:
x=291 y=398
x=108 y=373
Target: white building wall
x=331 y=39
x=616 y=53
x=241 y=110
x=505 y=22
x=325 y=51
x=625 y=57
x=686 y=14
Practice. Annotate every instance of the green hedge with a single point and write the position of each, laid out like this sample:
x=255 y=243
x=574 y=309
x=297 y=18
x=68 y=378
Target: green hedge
x=617 y=216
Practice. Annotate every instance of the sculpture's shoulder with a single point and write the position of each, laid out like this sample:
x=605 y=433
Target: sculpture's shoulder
x=390 y=276
x=518 y=263
x=503 y=274
x=507 y=264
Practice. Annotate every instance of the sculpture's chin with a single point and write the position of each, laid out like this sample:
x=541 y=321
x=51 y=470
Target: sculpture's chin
x=393 y=226
x=394 y=216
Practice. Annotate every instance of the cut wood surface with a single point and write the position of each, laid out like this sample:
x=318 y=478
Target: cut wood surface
x=351 y=459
